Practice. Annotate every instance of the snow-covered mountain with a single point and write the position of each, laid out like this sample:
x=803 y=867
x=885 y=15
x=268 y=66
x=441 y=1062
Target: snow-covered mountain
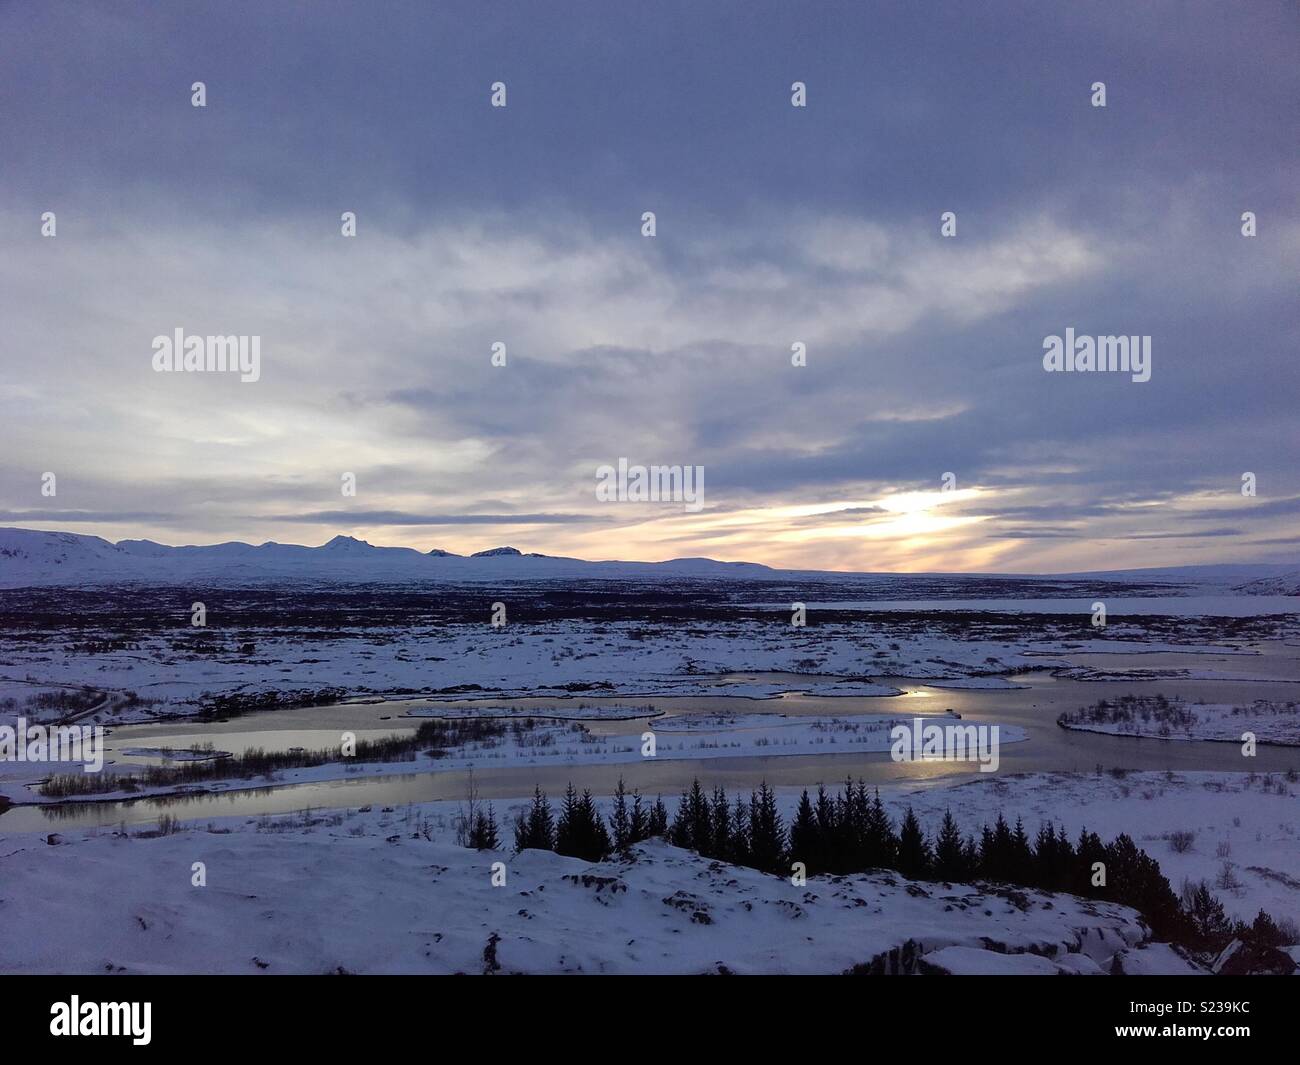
x=30 y=557
x=33 y=558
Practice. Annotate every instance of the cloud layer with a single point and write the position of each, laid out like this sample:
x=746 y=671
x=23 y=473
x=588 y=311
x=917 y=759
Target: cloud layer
x=776 y=226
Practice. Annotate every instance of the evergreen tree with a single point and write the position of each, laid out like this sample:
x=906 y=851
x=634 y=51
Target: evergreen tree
x=536 y=829
x=986 y=848
x=680 y=834
x=1088 y=853
x=881 y=845
x=827 y=832
x=1045 y=856
x=1264 y=932
x=1064 y=847
x=620 y=823
x=639 y=823
x=657 y=823
x=483 y=833
x=844 y=846
x=858 y=838
x=766 y=831
x=805 y=839
x=913 y=851
x=580 y=831
x=949 y=854
x=720 y=826
x=1020 y=858
x=1134 y=879
x=701 y=826
x=740 y=852
x=996 y=855
x=599 y=841
x=566 y=827
x=1210 y=927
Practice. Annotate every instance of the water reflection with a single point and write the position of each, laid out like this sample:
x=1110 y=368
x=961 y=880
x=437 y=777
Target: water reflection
x=1033 y=706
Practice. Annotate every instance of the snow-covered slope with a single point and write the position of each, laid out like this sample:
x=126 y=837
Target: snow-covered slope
x=365 y=892
x=1283 y=584
x=30 y=558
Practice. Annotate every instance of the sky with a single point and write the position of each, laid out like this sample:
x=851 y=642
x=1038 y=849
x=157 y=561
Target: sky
x=775 y=225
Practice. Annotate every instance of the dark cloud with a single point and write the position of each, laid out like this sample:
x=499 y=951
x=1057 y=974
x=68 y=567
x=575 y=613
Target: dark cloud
x=1186 y=534
x=775 y=224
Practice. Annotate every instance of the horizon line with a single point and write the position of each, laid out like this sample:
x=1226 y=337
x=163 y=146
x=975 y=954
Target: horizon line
x=510 y=551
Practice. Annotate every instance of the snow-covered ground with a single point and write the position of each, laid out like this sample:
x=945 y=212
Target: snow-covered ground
x=174 y=678
x=1090 y=673
x=368 y=893
x=1244 y=827
x=1265 y=720
x=377 y=890
x=387 y=890
x=548 y=659
x=311 y=618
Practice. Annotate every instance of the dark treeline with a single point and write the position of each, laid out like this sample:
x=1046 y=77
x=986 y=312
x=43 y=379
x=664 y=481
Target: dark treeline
x=580 y=831
x=237 y=704
x=851 y=832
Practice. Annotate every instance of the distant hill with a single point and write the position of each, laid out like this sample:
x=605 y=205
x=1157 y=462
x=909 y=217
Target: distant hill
x=1282 y=584
x=32 y=558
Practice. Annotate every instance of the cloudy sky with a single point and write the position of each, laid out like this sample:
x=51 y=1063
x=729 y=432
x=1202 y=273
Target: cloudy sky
x=775 y=225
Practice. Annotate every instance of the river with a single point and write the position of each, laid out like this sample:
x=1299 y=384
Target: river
x=1033 y=707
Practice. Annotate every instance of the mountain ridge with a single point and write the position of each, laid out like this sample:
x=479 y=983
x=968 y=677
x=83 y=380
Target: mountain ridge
x=34 y=557
x=31 y=557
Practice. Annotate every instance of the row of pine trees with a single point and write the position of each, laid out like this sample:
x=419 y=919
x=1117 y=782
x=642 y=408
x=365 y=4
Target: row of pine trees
x=581 y=832
x=851 y=832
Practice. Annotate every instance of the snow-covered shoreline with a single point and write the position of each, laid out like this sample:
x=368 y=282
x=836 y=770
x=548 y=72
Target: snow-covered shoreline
x=1260 y=722
x=684 y=738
